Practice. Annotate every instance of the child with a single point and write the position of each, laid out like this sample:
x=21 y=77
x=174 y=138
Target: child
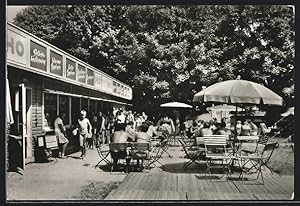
x=85 y=130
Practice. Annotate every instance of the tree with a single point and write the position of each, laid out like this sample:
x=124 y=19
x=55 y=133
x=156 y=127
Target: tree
x=169 y=52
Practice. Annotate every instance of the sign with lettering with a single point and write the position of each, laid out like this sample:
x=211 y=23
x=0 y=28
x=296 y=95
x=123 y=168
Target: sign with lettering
x=38 y=56
x=56 y=63
x=90 y=77
x=81 y=74
x=70 y=69
x=16 y=50
x=97 y=80
x=107 y=84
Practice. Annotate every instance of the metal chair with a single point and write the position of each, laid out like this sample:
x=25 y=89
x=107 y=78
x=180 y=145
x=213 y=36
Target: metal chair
x=140 y=151
x=257 y=161
x=118 y=151
x=156 y=153
x=193 y=153
x=216 y=154
x=103 y=153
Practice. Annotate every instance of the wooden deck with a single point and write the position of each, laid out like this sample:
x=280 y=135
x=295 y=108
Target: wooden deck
x=179 y=186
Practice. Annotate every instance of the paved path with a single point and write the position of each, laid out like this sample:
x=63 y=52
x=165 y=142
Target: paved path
x=60 y=180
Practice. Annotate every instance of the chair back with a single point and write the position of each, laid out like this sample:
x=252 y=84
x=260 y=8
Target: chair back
x=117 y=147
x=268 y=150
x=215 y=145
x=140 y=147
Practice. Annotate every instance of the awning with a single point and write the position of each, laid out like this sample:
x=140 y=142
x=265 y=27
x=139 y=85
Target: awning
x=83 y=96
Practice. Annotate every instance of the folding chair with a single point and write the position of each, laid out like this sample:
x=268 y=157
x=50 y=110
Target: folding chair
x=120 y=150
x=140 y=151
x=257 y=161
x=216 y=154
x=103 y=153
x=156 y=153
x=193 y=153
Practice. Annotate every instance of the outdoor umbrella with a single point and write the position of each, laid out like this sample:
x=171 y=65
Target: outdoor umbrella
x=238 y=92
x=176 y=105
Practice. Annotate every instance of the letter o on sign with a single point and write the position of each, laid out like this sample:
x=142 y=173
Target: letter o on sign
x=20 y=48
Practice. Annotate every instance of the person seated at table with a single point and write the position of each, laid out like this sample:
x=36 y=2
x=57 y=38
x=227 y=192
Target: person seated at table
x=254 y=129
x=151 y=128
x=222 y=130
x=130 y=129
x=246 y=128
x=206 y=130
x=120 y=136
x=166 y=124
x=142 y=137
x=238 y=127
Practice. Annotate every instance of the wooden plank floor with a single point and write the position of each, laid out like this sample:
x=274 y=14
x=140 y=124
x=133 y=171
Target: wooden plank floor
x=180 y=186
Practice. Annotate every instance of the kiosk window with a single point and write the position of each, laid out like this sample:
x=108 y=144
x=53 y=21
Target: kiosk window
x=64 y=107
x=84 y=104
x=50 y=112
x=92 y=106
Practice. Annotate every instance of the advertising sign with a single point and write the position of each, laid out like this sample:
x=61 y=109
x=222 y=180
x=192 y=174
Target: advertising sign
x=56 y=63
x=97 y=80
x=81 y=73
x=16 y=50
x=70 y=69
x=107 y=84
x=90 y=77
x=38 y=56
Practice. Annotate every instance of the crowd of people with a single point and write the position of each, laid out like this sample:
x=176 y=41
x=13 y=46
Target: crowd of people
x=121 y=126
x=200 y=128
x=100 y=129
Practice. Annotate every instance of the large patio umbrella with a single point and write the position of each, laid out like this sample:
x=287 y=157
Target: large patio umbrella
x=238 y=92
x=176 y=105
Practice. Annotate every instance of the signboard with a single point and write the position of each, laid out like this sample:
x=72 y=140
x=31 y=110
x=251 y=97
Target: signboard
x=56 y=63
x=115 y=87
x=97 y=80
x=107 y=84
x=90 y=77
x=38 y=56
x=34 y=54
x=16 y=50
x=81 y=73
x=70 y=69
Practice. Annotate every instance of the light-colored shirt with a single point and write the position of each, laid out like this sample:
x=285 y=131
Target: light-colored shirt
x=57 y=122
x=121 y=118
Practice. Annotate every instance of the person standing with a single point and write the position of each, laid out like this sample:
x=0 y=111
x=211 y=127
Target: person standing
x=101 y=127
x=85 y=130
x=61 y=134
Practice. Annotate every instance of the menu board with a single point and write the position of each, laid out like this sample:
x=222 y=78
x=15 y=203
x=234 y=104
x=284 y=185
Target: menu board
x=90 y=77
x=38 y=56
x=70 y=69
x=56 y=63
x=81 y=74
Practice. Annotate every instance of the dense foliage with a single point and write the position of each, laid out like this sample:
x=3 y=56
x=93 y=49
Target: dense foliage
x=170 y=52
